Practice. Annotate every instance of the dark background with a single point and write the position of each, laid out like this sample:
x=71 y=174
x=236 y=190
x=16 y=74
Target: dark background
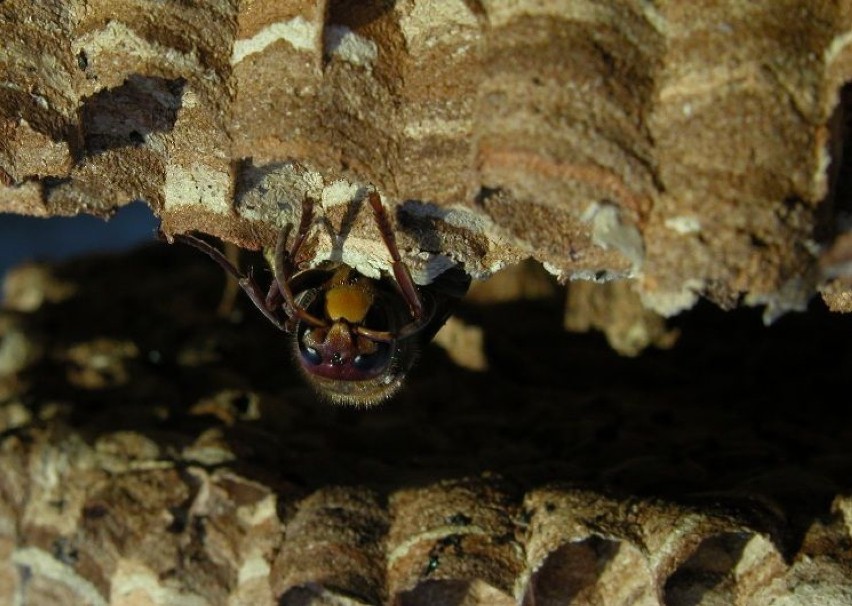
x=25 y=239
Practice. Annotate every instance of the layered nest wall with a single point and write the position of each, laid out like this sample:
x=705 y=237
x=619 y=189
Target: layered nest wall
x=694 y=148
x=677 y=156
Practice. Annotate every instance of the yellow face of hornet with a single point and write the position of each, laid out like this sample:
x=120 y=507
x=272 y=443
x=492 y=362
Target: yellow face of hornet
x=343 y=365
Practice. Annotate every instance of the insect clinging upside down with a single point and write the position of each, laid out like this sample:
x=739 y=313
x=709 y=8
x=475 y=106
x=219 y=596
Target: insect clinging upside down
x=355 y=338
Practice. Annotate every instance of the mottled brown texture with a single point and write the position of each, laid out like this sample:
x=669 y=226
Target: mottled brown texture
x=713 y=131
x=152 y=452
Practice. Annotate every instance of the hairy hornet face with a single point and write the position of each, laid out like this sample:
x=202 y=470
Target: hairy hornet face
x=344 y=360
